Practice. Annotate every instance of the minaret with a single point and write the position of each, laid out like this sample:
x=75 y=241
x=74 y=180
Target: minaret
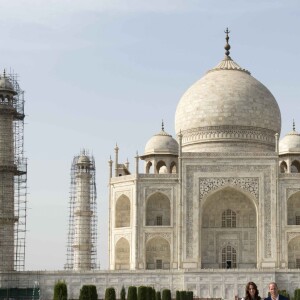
x=11 y=172
x=83 y=228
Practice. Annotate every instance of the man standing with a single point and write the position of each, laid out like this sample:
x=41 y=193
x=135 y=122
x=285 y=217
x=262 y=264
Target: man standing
x=274 y=295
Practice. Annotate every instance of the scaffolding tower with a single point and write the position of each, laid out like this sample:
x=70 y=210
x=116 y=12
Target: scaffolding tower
x=13 y=175
x=82 y=234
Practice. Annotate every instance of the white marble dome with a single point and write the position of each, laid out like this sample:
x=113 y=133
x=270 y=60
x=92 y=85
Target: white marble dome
x=290 y=143
x=228 y=110
x=161 y=143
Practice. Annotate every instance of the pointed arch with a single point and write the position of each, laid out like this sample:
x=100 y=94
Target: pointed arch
x=148 y=167
x=158 y=210
x=161 y=167
x=228 y=217
x=173 y=167
x=122 y=216
x=283 y=167
x=293 y=209
x=158 y=254
x=122 y=254
x=294 y=253
x=295 y=166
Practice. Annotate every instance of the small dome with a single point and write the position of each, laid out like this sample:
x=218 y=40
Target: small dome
x=6 y=84
x=162 y=143
x=83 y=159
x=290 y=143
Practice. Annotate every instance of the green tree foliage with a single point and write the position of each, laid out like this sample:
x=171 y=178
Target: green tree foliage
x=153 y=294
x=123 y=293
x=60 y=290
x=183 y=295
x=150 y=293
x=142 y=293
x=284 y=293
x=190 y=295
x=132 y=293
x=297 y=294
x=177 y=295
x=158 y=295
x=110 y=294
x=166 y=294
x=88 y=292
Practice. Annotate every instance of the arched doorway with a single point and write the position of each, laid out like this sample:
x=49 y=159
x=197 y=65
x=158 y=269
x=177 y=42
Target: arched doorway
x=228 y=230
x=293 y=209
x=122 y=217
x=122 y=255
x=294 y=253
x=158 y=211
x=158 y=254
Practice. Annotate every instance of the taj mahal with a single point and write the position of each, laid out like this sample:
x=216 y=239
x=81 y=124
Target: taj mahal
x=214 y=207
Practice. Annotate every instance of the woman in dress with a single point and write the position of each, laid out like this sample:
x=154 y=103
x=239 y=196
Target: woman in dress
x=251 y=292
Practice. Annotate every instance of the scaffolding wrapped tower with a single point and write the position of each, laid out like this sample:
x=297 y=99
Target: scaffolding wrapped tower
x=82 y=235
x=13 y=175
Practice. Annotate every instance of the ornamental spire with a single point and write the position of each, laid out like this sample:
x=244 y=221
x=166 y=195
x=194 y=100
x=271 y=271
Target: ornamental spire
x=294 y=127
x=227 y=46
x=162 y=125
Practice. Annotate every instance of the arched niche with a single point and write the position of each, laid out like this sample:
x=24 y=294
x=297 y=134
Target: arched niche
x=158 y=254
x=293 y=209
x=228 y=218
x=122 y=217
x=122 y=255
x=161 y=167
x=148 y=167
x=295 y=166
x=173 y=168
x=158 y=210
x=283 y=167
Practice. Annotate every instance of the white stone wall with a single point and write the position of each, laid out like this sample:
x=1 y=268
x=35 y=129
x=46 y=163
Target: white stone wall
x=204 y=283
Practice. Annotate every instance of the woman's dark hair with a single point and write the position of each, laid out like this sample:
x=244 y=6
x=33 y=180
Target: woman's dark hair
x=248 y=296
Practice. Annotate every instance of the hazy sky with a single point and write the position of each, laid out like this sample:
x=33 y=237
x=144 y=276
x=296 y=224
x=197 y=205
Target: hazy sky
x=104 y=71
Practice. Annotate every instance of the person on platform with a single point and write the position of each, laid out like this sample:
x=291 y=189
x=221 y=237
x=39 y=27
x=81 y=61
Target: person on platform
x=251 y=292
x=274 y=293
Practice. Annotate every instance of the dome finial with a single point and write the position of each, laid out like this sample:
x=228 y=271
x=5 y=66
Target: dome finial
x=4 y=73
x=162 y=125
x=294 y=127
x=227 y=46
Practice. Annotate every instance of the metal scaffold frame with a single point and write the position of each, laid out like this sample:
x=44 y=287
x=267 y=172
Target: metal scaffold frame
x=13 y=175
x=72 y=215
x=20 y=179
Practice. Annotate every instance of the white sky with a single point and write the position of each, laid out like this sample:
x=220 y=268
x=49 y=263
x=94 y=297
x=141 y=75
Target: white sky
x=106 y=71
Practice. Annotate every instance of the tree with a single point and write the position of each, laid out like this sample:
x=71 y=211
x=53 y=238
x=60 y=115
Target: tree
x=60 y=290
x=123 y=293
x=142 y=293
x=132 y=293
x=177 y=295
x=190 y=295
x=88 y=292
x=297 y=294
x=110 y=294
x=158 y=295
x=166 y=294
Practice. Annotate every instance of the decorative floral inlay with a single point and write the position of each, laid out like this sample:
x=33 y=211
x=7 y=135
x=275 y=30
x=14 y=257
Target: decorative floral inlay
x=249 y=184
x=165 y=235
